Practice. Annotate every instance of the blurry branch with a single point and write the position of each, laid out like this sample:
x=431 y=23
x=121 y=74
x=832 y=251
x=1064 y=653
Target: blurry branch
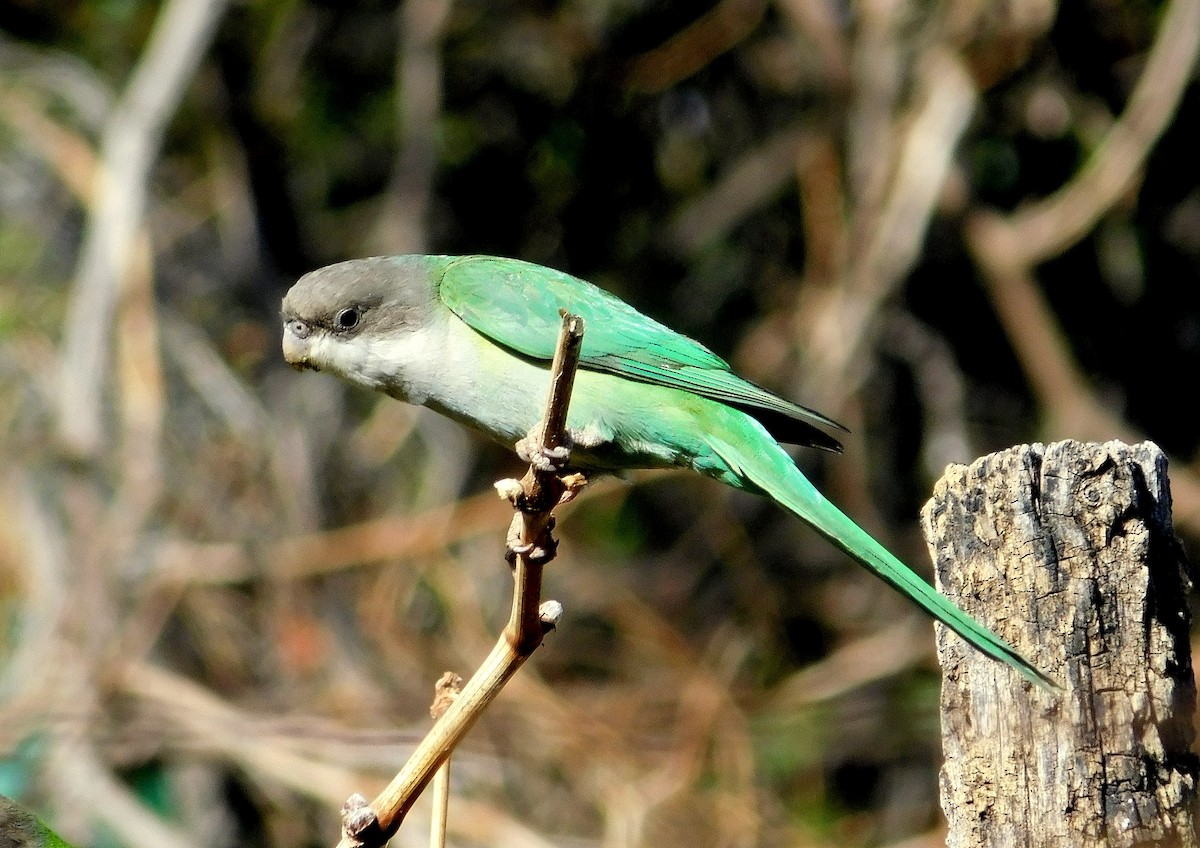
x=945 y=101
x=129 y=148
x=534 y=497
x=1008 y=248
x=51 y=675
x=138 y=377
x=841 y=318
x=856 y=664
x=819 y=182
x=33 y=539
x=940 y=385
x=881 y=62
x=82 y=779
x=66 y=152
x=818 y=22
x=212 y=379
x=313 y=554
x=58 y=74
x=865 y=223
x=1045 y=229
x=401 y=225
x=304 y=556
x=685 y=53
x=756 y=179
x=311 y=756
x=220 y=388
x=274 y=752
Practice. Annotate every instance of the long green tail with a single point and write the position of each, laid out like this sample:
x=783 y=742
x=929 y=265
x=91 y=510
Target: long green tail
x=772 y=470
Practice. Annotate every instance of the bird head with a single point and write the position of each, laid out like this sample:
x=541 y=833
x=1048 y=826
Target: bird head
x=341 y=317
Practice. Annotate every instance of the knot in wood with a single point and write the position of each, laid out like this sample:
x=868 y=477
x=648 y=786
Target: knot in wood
x=540 y=493
x=360 y=823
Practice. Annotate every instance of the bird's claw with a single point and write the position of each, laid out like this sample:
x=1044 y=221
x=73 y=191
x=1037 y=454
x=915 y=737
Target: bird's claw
x=539 y=552
x=552 y=460
x=512 y=540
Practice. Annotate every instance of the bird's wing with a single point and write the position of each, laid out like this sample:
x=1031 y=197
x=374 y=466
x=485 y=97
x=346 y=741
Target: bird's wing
x=517 y=304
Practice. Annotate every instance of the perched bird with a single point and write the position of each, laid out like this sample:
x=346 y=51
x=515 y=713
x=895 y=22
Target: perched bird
x=472 y=337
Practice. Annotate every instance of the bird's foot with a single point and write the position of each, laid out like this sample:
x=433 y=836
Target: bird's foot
x=553 y=460
x=539 y=552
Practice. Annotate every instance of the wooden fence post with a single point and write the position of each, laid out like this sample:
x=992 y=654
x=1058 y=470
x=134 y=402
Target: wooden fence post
x=1068 y=552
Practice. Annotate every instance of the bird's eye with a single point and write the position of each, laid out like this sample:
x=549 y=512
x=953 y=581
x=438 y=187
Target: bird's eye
x=347 y=319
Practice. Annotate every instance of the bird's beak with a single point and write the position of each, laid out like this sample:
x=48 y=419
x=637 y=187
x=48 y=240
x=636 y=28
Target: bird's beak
x=296 y=345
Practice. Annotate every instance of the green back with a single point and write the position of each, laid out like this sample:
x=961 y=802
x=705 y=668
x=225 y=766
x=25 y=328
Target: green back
x=518 y=305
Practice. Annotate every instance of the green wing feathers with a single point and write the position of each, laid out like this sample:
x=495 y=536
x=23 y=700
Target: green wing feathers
x=772 y=471
x=516 y=304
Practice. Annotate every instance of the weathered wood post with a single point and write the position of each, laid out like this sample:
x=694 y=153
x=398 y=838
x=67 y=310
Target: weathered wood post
x=1068 y=552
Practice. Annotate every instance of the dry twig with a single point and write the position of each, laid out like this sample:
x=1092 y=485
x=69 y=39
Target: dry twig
x=366 y=826
x=445 y=691
x=130 y=146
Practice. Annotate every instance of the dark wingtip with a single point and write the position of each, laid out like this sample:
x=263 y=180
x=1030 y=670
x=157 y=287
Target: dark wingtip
x=792 y=430
x=825 y=442
x=822 y=419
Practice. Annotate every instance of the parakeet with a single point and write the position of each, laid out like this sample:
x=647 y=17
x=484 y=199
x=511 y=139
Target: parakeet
x=472 y=337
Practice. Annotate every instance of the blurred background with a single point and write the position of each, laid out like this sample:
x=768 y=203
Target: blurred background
x=227 y=588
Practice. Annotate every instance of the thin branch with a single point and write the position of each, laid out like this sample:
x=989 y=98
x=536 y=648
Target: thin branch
x=689 y=50
x=1008 y=249
x=892 y=227
x=441 y=806
x=401 y=225
x=445 y=691
x=1047 y=228
x=132 y=138
x=541 y=491
x=370 y=826
x=79 y=775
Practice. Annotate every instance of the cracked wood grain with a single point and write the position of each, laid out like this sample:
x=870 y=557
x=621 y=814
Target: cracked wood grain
x=1068 y=552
